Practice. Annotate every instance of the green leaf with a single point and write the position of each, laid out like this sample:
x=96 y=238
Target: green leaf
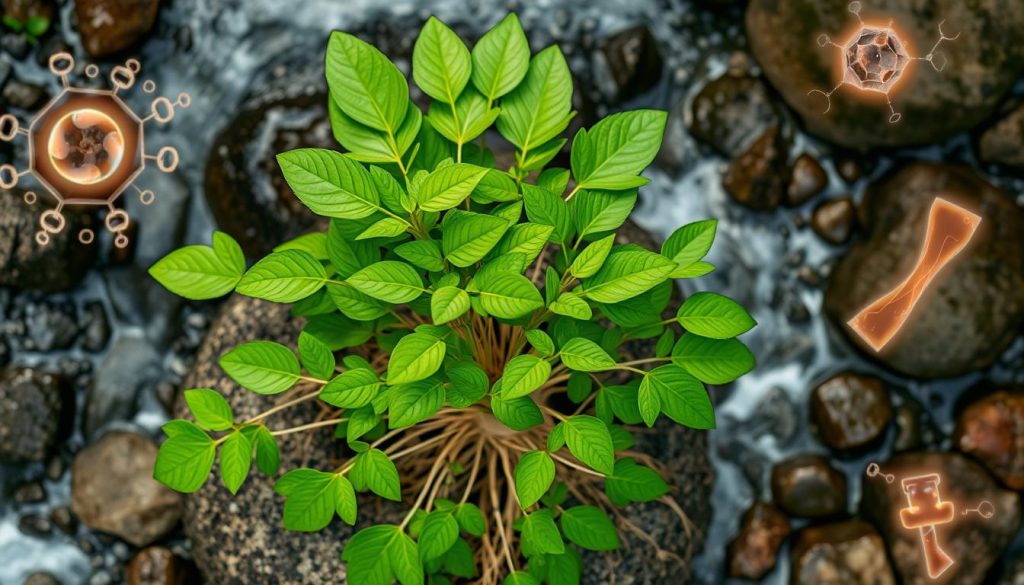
x=520 y=578
x=345 y=503
x=362 y=421
x=347 y=255
x=594 y=212
x=365 y=84
x=440 y=531
x=571 y=305
x=405 y=561
x=389 y=281
x=185 y=459
x=517 y=414
x=351 y=389
x=554 y=180
x=713 y=361
x=13 y=23
x=425 y=254
x=713 y=315
x=447 y=187
x=508 y=296
x=36 y=26
x=665 y=343
x=689 y=244
x=467 y=237
x=366 y=144
x=584 y=355
x=590 y=442
x=540 y=535
x=416 y=357
x=527 y=239
x=682 y=397
x=211 y=410
x=589 y=528
x=268 y=455
x=592 y=257
x=524 y=374
x=372 y=469
x=541 y=342
x=355 y=304
x=314 y=244
x=389 y=227
x=494 y=187
x=201 y=272
x=235 y=460
x=448 y=303
x=329 y=183
x=366 y=555
x=459 y=561
x=468 y=384
x=264 y=367
x=695 y=270
x=628 y=272
x=310 y=499
x=501 y=58
x=283 y=277
x=413 y=403
x=538 y=109
x=338 y=331
x=545 y=208
x=563 y=569
x=649 y=403
x=470 y=518
x=631 y=482
x=440 y=62
x=316 y=357
x=534 y=474
x=466 y=120
x=617 y=149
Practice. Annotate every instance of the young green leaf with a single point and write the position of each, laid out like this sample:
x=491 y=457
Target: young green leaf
x=365 y=84
x=534 y=474
x=265 y=367
x=627 y=272
x=351 y=389
x=594 y=212
x=540 y=535
x=425 y=254
x=520 y=578
x=201 y=272
x=268 y=455
x=316 y=357
x=467 y=237
x=283 y=277
x=617 y=148
x=631 y=482
x=366 y=144
x=448 y=303
x=329 y=183
x=440 y=531
x=524 y=374
x=389 y=281
x=468 y=383
x=501 y=59
x=539 y=108
x=470 y=518
x=681 y=396
x=185 y=459
x=310 y=499
x=713 y=361
x=571 y=305
x=584 y=355
x=448 y=187
x=416 y=357
x=508 y=296
x=648 y=403
x=690 y=243
x=413 y=403
x=466 y=120
x=389 y=227
x=235 y=460
x=590 y=442
x=527 y=239
x=211 y=410
x=545 y=208
x=590 y=528
x=440 y=62
x=713 y=315
x=355 y=304
x=592 y=258
x=372 y=469
x=541 y=342
x=517 y=414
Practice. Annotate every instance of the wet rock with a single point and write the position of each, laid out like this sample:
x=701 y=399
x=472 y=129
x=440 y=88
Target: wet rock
x=757 y=177
x=752 y=554
x=95 y=327
x=58 y=266
x=634 y=62
x=157 y=565
x=112 y=489
x=851 y=411
x=35 y=525
x=23 y=95
x=110 y=26
x=807 y=486
x=138 y=299
x=161 y=224
x=849 y=166
x=131 y=365
x=35 y=414
x=730 y=113
x=775 y=415
x=915 y=427
x=845 y=553
x=1014 y=574
x=50 y=326
x=41 y=579
x=64 y=519
x=976 y=300
x=23 y=10
x=833 y=220
x=938 y=105
x=14 y=44
x=807 y=179
x=30 y=493
x=1003 y=143
x=5 y=353
x=992 y=430
x=975 y=542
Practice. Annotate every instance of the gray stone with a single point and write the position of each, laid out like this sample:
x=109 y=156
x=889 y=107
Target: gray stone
x=131 y=365
x=35 y=414
x=161 y=223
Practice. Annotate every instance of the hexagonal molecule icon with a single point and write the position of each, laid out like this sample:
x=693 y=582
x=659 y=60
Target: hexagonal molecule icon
x=87 y=147
x=875 y=59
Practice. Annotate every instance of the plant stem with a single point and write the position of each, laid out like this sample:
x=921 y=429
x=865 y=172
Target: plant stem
x=306 y=427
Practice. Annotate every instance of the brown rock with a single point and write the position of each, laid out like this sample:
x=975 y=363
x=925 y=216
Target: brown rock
x=157 y=565
x=975 y=301
x=36 y=412
x=849 y=166
x=41 y=579
x=915 y=427
x=807 y=486
x=23 y=10
x=833 y=220
x=806 y=180
x=756 y=178
x=992 y=430
x=846 y=553
x=974 y=542
x=110 y=26
x=112 y=489
x=1003 y=142
x=634 y=61
x=752 y=554
x=731 y=112
x=851 y=411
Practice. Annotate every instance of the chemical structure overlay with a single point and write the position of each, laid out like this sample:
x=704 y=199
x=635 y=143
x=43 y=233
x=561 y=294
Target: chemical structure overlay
x=87 y=147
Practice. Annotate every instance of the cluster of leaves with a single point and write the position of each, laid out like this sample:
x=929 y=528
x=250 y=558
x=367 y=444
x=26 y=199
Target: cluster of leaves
x=429 y=248
x=33 y=28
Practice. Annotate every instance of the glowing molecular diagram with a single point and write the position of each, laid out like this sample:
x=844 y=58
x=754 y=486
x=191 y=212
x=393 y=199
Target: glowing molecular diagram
x=925 y=511
x=86 y=148
x=874 y=59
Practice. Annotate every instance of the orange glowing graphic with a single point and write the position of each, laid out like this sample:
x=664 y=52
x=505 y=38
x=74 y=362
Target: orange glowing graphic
x=875 y=58
x=86 y=148
x=950 y=228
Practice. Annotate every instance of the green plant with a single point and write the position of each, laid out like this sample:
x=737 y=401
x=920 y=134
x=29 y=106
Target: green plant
x=482 y=349
x=33 y=28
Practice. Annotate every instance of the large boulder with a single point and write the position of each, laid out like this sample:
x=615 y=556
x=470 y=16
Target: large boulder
x=981 y=65
x=973 y=308
x=992 y=430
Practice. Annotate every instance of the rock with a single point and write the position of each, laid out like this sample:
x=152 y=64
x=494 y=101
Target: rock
x=733 y=111
x=35 y=525
x=50 y=326
x=131 y=365
x=845 y=553
x=138 y=299
x=634 y=62
x=807 y=179
x=41 y=579
x=935 y=105
x=1014 y=574
x=36 y=411
x=58 y=266
x=833 y=220
x=807 y=486
x=973 y=541
x=915 y=427
x=976 y=300
x=23 y=95
x=30 y=493
x=850 y=411
x=111 y=26
x=992 y=430
x=95 y=327
x=14 y=44
x=23 y=10
x=162 y=223
x=757 y=178
x=157 y=565
x=112 y=489
x=752 y=554
x=64 y=520
x=775 y=415
x=1003 y=142
x=849 y=166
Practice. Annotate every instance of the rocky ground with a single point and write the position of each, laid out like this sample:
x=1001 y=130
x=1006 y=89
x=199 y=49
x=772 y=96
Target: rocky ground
x=819 y=214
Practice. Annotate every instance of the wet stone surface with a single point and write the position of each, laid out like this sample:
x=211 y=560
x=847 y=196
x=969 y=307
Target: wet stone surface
x=808 y=486
x=35 y=413
x=992 y=430
x=752 y=555
x=851 y=411
x=845 y=553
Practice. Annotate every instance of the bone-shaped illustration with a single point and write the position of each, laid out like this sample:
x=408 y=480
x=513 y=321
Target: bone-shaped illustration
x=950 y=228
x=925 y=510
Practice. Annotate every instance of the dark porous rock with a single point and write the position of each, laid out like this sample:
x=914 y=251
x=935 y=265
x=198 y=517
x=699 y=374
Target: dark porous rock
x=36 y=411
x=131 y=365
x=42 y=579
x=980 y=66
x=975 y=542
x=730 y=113
x=36 y=525
x=833 y=220
x=95 y=327
x=158 y=565
x=23 y=95
x=807 y=178
x=845 y=553
x=634 y=62
x=111 y=26
x=56 y=267
x=32 y=492
x=753 y=553
x=851 y=411
x=849 y=166
x=808 y=486
x=64 y=519
x=757 y=177
x=1003 y=143
x=113 y=490
x=973 y=309
x=992 y=430
x=50 y=326
x=915 y=427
